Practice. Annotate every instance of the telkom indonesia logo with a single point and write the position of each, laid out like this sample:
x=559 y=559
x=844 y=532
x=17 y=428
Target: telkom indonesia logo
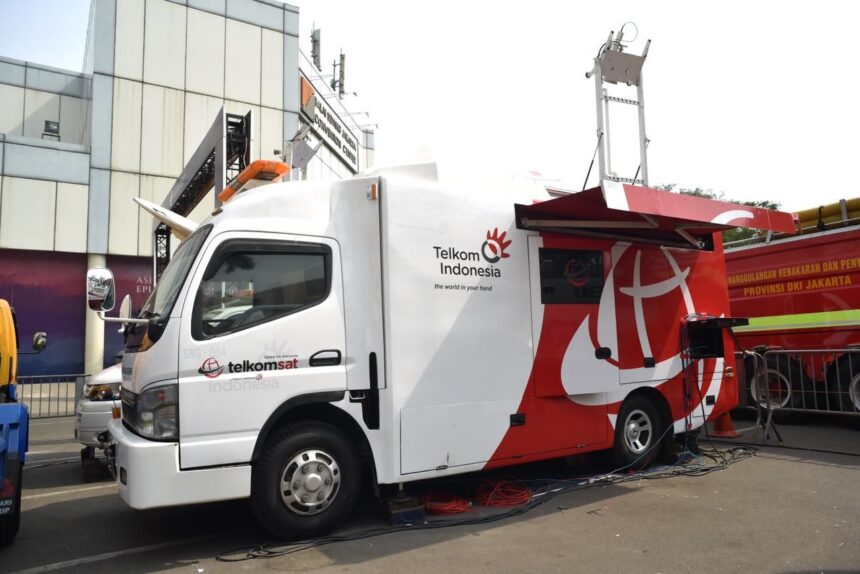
x=211 y=368
x=494 y=247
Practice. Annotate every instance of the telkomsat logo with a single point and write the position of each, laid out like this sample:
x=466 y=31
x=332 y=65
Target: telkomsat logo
x=494 y=247
x=211 y=368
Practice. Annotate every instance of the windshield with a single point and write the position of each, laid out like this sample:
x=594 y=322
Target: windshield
x=162 y=299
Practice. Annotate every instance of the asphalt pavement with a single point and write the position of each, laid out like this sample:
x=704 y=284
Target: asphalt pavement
x=786 y=509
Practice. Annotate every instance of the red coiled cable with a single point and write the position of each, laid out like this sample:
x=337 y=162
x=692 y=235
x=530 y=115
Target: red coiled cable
x=444 y=503
x=503 y=493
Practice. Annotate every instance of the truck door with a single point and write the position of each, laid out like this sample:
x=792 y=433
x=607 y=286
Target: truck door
x=653 y=293
x=262 y=323
x=568 y=277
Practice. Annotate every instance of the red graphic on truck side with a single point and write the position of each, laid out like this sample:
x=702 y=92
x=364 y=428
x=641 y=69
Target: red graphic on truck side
x=647 y=293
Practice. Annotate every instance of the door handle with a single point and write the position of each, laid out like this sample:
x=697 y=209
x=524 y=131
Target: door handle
x=325 y=358
x=602 y=353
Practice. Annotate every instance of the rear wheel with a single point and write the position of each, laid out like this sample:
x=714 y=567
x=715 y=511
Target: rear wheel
x=11 y=522
x=638 y=430
x=306 y=480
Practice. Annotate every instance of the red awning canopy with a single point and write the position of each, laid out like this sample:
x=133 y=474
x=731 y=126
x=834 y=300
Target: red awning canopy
x=649 y=215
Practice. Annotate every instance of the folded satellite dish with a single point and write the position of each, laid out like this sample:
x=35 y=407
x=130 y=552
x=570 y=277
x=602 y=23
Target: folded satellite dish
x=181 y=227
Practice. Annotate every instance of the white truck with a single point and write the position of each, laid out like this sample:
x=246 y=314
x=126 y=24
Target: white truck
x=308 y=336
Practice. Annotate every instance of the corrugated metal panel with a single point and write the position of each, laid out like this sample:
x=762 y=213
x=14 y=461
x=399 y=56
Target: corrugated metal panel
x=37 y=162
x=12 y=110
x=164 y=57
x=55 y=82
x=214 y=6
x=161 y=131
x=72 y=116
x=256 y=13
x=98 y=211
x=129 y=39
x=102 y=120
x=291 y=74
x=243 y=62
x=273 y=69
x=12 y=73
x=127 y=103
x=38 y=108
x=71 y=223
x=199 y=114
x=291 y=21
x=102 y=36
x=205 y=68
x=27 y=214
x=271 y=133
x=122 y=229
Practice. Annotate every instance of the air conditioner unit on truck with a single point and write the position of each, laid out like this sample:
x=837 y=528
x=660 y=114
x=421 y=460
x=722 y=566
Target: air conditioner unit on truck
x=802 y=293
x=14 y=424
x=308 y=335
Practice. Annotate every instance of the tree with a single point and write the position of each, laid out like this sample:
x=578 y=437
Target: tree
x=729 y=234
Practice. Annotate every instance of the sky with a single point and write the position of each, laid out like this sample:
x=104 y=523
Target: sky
x=752 y=99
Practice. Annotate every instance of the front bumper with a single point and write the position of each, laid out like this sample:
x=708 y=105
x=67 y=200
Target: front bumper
x=149 y=476
x=91 y=419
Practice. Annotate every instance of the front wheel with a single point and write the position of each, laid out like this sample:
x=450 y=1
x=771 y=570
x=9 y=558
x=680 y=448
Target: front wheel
x=306 y=481
x=638 y=430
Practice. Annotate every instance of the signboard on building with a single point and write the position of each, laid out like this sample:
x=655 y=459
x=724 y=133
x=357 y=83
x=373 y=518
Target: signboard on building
x=326 y=124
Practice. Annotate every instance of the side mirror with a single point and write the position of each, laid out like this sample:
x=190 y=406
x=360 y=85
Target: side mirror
x=40 y=341
x=101 y=290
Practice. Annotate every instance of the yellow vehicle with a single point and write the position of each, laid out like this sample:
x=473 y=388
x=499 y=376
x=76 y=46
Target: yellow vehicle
x=14 y=420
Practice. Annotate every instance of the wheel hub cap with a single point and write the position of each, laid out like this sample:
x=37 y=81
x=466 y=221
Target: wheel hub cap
x=310 y=482
x=637 y=432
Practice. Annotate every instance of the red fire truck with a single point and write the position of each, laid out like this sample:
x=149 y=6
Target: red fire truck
x=802 y=293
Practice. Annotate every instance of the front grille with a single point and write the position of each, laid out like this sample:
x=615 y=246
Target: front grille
x=129 y=408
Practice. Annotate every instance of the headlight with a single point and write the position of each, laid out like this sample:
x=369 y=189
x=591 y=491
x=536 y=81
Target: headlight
x=101 y=391
x=158 y=413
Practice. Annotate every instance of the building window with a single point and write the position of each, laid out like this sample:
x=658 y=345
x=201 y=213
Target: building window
x=570 y=276
x=249 y=284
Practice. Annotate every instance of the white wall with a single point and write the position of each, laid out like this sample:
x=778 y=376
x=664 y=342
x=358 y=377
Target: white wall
x=11 y=110
x=162 y=131
x=43 y=215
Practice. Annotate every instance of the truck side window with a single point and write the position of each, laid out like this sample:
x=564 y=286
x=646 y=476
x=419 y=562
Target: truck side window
x=246 y=285
x=570 y=276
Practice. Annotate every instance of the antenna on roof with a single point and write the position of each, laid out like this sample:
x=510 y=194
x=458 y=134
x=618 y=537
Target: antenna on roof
x=316 y=57
x=338 y=80
x=614 y=66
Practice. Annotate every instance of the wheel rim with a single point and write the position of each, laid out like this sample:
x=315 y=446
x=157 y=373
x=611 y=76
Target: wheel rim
x=778 y=390
x=637 y=431
x=854 y=392
x=310 y=482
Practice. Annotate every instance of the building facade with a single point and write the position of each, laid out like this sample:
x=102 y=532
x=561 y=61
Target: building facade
x=76 y=147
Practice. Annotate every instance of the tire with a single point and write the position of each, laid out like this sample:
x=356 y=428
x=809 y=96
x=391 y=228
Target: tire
x=10 y=523
x=638 y=429
x=786 y=383
x=849 y=380
x=330 y=485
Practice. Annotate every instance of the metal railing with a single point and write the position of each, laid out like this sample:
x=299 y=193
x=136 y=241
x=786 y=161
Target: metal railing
x=802 y=380
x=50 y=395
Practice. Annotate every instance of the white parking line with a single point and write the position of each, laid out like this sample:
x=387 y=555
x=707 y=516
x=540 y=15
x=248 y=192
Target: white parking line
x=70 y=491
x=108 y=555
